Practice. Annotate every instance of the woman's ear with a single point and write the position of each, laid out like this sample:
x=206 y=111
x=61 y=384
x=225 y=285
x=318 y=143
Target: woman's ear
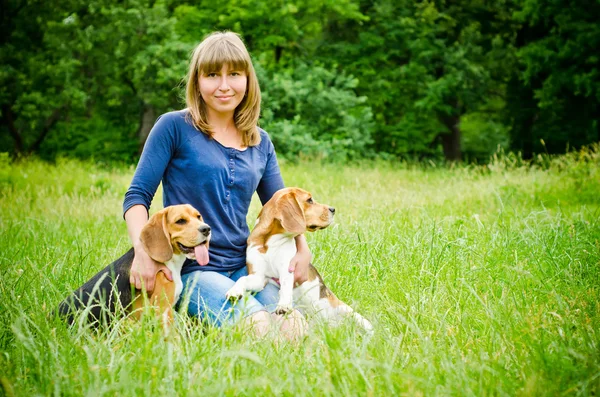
x=156 y=239
x=290 y=214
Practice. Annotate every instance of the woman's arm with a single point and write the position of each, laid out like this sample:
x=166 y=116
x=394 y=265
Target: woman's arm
x=300 y=261
x=157 y=153
x=136 y=217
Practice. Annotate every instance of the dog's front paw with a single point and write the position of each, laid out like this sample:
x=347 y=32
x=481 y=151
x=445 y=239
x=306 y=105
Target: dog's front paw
x=363 y=323
x=234 y=293
x=283 y=309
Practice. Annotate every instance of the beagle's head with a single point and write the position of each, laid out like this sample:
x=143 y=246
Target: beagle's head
x=177 y=229
x=298 y=212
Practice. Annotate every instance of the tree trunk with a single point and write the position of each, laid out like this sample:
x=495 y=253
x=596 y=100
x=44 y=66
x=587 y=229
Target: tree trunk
x=147 y=119
x=278 y=53
x=9 y=120
x=50 y=122
x=527 y=138
x=451 y=141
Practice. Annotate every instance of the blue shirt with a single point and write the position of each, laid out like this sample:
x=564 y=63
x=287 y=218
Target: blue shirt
x=216 y=180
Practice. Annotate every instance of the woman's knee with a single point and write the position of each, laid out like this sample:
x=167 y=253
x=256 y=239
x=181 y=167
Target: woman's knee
x=259 y=322
x=293 y=326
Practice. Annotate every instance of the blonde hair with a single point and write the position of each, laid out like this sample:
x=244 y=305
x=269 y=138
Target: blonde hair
x=218 y=49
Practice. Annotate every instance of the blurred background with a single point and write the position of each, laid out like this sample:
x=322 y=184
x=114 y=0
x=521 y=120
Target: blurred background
x=342 y=80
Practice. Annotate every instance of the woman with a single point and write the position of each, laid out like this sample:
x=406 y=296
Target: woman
x=213 y=156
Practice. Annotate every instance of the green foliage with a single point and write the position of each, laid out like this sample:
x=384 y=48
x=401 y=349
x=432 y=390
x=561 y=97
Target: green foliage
x=90 y=138
x=114 y=61
x=135 y=61
x=312 y=111
x=281 y=31
x=40 y=80
x=343 y=79
x=428 y=64
x=555 y=93
x=484 y=132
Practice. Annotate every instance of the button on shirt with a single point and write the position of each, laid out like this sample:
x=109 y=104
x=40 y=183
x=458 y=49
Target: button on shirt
x=218 y=181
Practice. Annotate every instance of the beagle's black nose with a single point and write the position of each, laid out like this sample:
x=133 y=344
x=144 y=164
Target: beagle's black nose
x=205 y=230
x=332 y=210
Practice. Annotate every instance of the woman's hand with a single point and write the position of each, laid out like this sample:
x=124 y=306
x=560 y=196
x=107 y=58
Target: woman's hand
x=300 y=261
x=144 y=269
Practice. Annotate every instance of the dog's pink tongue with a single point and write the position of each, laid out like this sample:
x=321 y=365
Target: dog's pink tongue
x=201 y=253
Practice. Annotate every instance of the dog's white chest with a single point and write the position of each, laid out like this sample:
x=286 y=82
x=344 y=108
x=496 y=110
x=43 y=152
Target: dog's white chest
x=178 y=285
x=175 y=265
x=276 y=259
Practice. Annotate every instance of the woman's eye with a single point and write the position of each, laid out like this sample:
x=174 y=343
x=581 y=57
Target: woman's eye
x=181 y=221
x=211 y=74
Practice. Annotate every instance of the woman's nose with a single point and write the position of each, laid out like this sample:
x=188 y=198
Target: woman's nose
x=224 y=84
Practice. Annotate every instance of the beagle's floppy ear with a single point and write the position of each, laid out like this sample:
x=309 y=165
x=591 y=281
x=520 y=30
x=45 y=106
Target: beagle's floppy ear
x=155 y=237
x=290 y=214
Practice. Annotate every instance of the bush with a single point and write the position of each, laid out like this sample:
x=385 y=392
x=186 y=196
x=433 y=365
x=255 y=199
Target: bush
x=311 y=111
x=90 y=138
x=482 y=137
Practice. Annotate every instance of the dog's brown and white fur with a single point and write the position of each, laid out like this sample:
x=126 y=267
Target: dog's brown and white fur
x=271 y=246
x=171 y=235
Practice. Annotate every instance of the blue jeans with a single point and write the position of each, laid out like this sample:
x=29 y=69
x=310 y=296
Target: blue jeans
x=204 y=296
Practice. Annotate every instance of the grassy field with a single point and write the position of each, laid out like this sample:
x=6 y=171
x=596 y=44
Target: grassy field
x=479 y=281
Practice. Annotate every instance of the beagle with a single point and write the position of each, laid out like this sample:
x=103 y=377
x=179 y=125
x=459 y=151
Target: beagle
x=271 y=246
x=170 y=235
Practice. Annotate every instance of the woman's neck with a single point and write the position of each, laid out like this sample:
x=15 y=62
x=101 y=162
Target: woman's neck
x=225 y=131
x=219 y=121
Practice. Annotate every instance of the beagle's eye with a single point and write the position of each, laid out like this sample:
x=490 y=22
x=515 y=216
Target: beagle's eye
x=310 y=200
x=199 y=217
x=181 y=221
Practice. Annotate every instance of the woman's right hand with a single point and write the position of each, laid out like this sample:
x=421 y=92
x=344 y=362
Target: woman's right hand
x=144 y=269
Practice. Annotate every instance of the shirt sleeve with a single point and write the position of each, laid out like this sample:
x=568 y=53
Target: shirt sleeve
x=271 y=180
x=156 y=155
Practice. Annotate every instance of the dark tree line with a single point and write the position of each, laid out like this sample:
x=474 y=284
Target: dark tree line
x=342 y=79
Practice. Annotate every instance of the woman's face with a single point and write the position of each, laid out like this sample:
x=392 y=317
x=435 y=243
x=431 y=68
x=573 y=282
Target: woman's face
x=224 y=90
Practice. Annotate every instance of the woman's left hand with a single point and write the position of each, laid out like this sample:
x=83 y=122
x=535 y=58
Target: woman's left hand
x=300 y=261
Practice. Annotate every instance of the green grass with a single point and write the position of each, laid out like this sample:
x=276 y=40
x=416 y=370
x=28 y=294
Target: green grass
x=478 y=280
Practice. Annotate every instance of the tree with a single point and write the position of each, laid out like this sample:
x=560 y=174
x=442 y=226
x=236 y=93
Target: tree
x=311 y=111
x=135 y=60
x=428 y=64
x=118 y=61
x=39 y=81
x=554 y=94
x=399 y=77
